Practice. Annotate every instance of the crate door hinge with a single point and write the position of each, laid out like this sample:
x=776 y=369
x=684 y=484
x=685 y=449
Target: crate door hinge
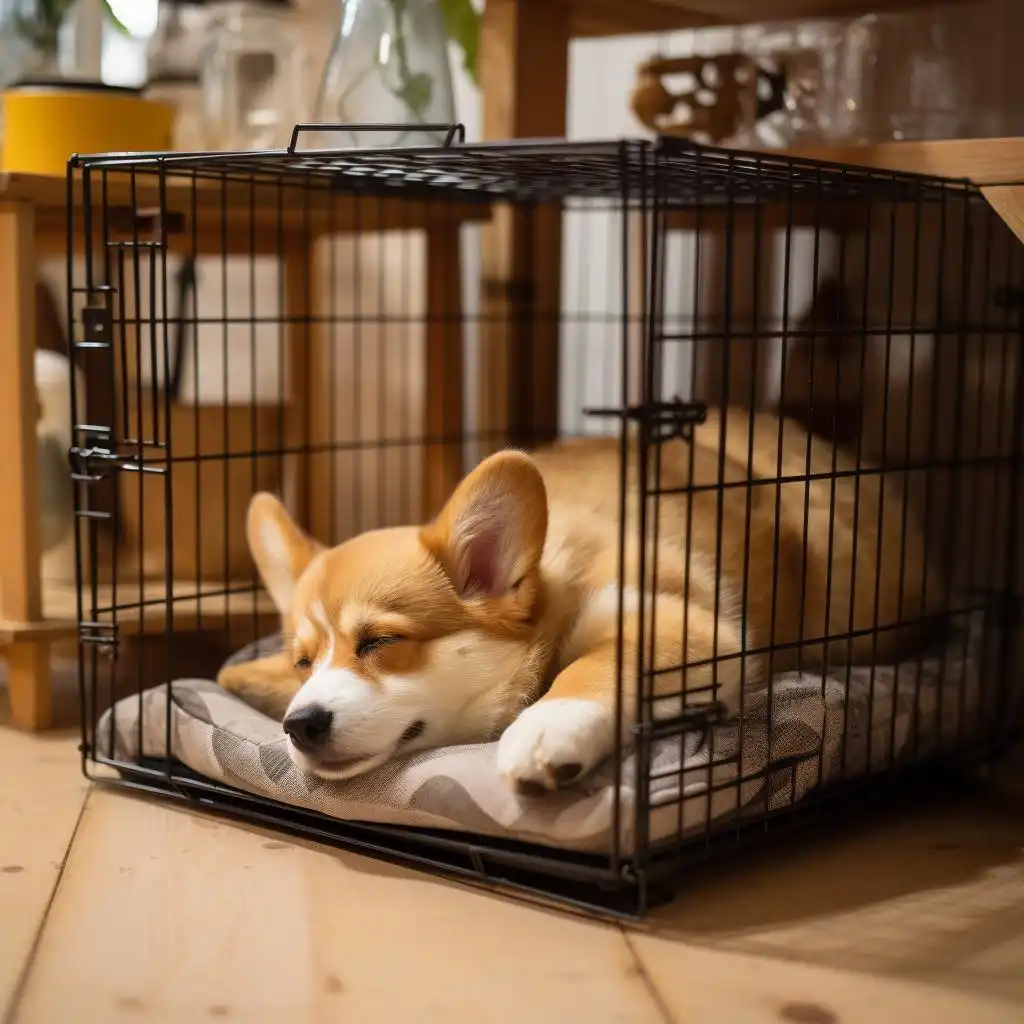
x=98 y=325
x=90 y=465
x=665 y=420
x=102 y=635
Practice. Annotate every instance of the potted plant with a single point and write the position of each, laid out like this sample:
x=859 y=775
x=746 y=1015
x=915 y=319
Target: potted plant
x=38 y=24
x=47 y=115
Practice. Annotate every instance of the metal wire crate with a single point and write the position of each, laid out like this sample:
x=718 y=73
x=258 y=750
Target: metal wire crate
x=250 y=321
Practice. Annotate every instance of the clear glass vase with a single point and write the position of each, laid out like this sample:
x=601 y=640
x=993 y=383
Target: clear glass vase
x=174 y=67
x=389 y=66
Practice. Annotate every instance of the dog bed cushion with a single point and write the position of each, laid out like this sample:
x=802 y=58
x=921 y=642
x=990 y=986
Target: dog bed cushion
x=802 y=733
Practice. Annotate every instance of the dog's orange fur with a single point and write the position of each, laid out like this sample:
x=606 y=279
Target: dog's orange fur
x=527 y=617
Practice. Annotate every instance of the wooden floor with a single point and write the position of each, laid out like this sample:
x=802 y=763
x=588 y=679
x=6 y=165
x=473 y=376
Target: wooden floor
x=115 y=908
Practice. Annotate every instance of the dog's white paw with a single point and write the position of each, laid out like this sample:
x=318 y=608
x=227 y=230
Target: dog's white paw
x=555 y=742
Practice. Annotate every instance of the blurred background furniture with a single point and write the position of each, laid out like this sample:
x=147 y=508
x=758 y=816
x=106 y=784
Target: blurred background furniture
x=33 y=225
x=513 y=389
x=524 y=71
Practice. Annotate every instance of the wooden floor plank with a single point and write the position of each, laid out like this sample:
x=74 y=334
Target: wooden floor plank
x=164 y=915
x=714 y=985
x=917 y=907
x=933 y=893
x=41 y=795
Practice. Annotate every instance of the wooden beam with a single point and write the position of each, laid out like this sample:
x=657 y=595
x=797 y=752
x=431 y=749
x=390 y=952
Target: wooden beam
x=28 y=666
x=443 y=402
x=524 y=56
x=983 y=161
x=308 y=417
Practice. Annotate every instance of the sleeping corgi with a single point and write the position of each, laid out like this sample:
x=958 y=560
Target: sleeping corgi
x=500 y=619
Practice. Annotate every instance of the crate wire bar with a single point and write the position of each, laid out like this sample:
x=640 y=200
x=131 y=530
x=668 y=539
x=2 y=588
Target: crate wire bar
x=880 y=310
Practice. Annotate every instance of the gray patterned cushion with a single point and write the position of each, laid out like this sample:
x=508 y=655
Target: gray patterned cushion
x=792 y=743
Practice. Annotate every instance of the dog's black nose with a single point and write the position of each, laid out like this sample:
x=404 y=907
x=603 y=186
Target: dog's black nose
x=308 y=727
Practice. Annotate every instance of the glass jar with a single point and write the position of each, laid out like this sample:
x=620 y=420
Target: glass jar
x=916 y=75
x=795 y=67
x=251 y=75
x=173 y=62
x=389 y=65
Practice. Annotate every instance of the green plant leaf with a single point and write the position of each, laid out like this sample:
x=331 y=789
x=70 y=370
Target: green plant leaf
x=416 y=92
x=462 y=24
x=115 y=20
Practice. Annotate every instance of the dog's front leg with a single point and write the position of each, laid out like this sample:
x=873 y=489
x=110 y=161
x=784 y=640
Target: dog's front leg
x=572 y=728
x=268 y=684
x=569 y=731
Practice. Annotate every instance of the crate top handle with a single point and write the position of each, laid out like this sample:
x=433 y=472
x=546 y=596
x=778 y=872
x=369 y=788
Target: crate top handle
x=453 y=132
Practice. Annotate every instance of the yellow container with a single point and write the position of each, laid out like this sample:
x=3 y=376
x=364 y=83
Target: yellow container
x=45 y=123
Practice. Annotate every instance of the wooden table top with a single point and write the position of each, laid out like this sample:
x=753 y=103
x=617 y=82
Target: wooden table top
x=230 y=216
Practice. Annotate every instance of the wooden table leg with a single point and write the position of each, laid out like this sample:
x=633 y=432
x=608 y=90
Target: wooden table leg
x=737 y=274
x=443 y=413
x=309 y=414
x=298 y=385
x=28 y=663
x=524 y=56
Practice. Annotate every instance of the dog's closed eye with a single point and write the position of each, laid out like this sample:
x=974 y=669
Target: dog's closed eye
x=369 y=644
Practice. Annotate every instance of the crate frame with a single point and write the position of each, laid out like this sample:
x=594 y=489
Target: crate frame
x=657 y=183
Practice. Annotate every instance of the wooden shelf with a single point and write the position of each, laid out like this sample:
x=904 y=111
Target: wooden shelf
x=983 y=161
x=614 y=17
x=996 y=166
x=213 y=609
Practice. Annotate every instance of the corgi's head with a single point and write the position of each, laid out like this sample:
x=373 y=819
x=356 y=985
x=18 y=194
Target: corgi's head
x=410 y=637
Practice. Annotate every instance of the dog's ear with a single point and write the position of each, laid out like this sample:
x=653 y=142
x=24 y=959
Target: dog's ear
x=490 y=535
x=279 y=548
